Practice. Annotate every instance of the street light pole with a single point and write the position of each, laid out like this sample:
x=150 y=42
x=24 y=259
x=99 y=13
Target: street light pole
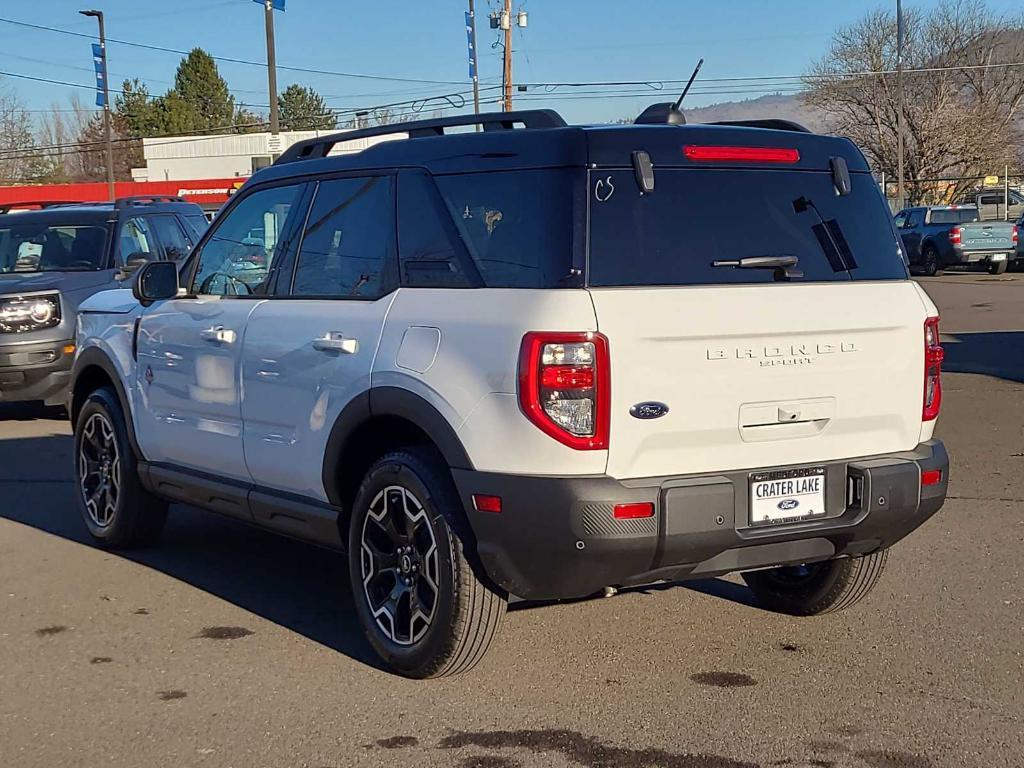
x=900 y=193
x=268 y=6
x=106 y=102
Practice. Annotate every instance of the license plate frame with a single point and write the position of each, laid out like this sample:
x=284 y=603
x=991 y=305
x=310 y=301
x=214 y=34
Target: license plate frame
x=804 y=489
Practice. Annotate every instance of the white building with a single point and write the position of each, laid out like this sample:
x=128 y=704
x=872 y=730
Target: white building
x=174 y=158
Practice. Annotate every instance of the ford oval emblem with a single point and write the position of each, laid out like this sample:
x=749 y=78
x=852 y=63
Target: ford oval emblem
x=787 y=504
x=648 y=410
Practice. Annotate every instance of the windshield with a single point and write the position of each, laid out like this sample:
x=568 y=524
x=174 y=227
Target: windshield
x=61 y=248
x=695 y=217
x=954 y=215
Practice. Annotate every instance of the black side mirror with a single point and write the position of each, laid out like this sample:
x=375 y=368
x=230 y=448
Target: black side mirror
x=155 y=281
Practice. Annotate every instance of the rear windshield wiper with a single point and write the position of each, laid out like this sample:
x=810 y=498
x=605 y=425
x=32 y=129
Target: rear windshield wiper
x=784 y=265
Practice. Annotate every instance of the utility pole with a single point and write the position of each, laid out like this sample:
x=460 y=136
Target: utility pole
x=98 y=15
x=473 y=59
x=268 y=10
x=507 y=78
x=899 y=104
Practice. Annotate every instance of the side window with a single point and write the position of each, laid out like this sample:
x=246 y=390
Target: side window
x=516 y=224
x=991 y=200
x=172 y=240
x=430 y=254
x=901 y=220
x=237 y=258
x=197 y=224
x=348 y=248
x=135 y=241
x=916 y=218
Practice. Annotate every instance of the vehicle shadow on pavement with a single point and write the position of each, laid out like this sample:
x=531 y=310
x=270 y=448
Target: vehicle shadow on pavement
x=295 y=585
x=996 y=353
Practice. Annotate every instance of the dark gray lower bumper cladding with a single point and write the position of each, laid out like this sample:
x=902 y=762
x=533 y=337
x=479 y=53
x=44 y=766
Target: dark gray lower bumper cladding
x=556 y=537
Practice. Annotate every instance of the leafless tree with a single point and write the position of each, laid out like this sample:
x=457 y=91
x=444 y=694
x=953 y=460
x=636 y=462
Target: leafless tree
x=16 y=139
x=962 y=95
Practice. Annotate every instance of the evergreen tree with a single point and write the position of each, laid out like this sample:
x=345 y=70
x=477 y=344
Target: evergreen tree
x=303 y=109
x=200 y=99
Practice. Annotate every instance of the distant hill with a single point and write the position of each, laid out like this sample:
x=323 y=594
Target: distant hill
x=774 y=105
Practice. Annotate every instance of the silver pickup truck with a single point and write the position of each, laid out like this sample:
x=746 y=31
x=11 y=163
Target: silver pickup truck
x=942 y=236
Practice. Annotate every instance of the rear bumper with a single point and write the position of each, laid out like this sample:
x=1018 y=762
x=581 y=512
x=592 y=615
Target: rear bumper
x=556 y=538
x=38 y=371
x=983 y=257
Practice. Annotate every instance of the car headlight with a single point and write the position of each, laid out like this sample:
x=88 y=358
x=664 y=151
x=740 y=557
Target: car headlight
x=29 y=313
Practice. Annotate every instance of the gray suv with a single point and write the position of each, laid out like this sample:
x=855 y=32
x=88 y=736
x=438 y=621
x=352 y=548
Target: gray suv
x=54 y=257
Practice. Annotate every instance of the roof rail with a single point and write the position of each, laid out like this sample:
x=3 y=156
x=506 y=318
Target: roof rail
x=40 y=204
x=772 y=123
x=125 y=202
x=491 y=121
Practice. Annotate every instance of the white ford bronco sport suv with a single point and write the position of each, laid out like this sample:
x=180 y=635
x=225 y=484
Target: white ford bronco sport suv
x=530 y=362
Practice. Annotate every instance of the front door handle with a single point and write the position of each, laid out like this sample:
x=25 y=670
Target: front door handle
x=336 y=342
x=218 y=334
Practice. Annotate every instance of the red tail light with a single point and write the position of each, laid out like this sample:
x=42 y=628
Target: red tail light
x=933 y=356
x=931 y=477
x=955 y=234
x=564 y=387
x=742 y=154
x=1014 y=235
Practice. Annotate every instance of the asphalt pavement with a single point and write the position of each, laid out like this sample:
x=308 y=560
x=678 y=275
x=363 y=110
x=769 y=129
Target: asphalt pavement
x=227 y=646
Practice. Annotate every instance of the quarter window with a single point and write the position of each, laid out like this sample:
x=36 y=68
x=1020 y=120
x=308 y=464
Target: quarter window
x=172 y=240
x=237 y=257
x=348 y=248
x=517 y=225
x=431 y=254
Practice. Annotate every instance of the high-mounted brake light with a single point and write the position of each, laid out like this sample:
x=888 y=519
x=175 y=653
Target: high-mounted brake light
x=955 y=235
x=564 y=387
x=933 y=356
x=742 y=154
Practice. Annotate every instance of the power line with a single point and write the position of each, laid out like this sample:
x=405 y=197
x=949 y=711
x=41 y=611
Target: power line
x=233 y=60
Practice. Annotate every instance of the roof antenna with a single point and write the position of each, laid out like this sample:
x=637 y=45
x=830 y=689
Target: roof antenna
x=667 y=113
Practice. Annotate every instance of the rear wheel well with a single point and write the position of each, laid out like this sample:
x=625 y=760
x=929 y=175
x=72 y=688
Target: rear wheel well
x=88 y=381
x=367 y=443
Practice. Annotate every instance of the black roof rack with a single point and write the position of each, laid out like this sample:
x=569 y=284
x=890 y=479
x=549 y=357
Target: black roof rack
x=40 y=204
x=491 y=121
x=125 y=202
x=773 y=123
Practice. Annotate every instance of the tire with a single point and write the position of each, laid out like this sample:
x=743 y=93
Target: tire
x=817 y=588
x=930 y=258
x=402 y=529
x=997 y=267
x=116 y=509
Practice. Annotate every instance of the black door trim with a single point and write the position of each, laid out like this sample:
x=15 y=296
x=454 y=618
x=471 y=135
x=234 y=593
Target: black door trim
x=288 y=514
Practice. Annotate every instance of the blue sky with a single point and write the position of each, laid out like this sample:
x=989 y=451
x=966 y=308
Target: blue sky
x=567 y=40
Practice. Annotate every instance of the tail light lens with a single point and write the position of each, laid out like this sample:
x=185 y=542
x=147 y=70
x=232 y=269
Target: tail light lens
x=933 y=356
x=1014 y=235
x=564 y=387
x=955 y=235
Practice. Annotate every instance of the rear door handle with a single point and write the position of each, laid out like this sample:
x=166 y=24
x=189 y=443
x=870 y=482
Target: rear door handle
x=336 y=342
x=218 y=334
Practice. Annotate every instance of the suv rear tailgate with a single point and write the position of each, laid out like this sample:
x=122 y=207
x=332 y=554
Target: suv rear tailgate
x=766 y=375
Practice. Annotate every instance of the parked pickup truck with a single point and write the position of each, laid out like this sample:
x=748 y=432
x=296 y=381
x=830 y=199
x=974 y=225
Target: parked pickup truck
x=995 y=204
x=942 y=236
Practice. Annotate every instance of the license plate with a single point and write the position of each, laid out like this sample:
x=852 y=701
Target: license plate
x=786 y=495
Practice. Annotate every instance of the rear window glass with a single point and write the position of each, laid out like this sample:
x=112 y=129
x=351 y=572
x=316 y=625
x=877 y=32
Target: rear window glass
x=696 y=217
x=954 y=216
x=517 y=225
